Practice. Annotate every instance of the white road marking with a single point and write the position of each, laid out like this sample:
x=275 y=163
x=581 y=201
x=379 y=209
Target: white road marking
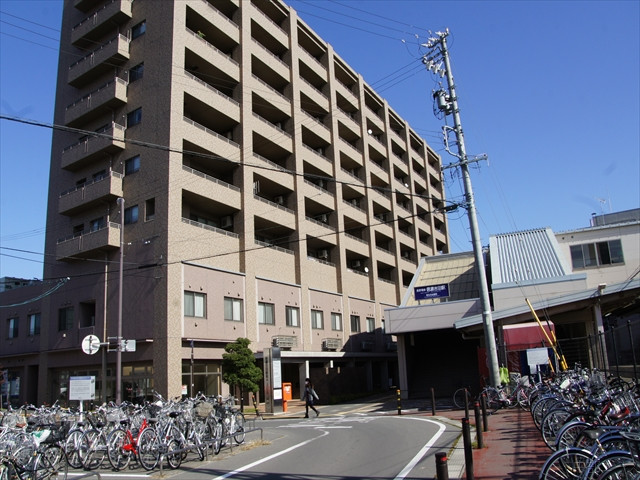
x=266 y=459
x=414 y=461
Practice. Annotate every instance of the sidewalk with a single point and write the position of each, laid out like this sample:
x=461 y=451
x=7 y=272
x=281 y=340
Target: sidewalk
x=513 y=446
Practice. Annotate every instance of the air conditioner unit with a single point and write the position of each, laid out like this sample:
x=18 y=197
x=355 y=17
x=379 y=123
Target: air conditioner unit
x=355 y=202
x=320 y=150
x=356 y=264
x=323 y=254
x=406 y=254
x=322 y=184
x=226 y=222
x=279 y=200
x=324 y=218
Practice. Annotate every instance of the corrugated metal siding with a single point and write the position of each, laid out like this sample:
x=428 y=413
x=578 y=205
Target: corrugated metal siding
x=523 y=256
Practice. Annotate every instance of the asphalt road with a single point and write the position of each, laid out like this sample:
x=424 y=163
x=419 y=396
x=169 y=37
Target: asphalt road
x=341 y=444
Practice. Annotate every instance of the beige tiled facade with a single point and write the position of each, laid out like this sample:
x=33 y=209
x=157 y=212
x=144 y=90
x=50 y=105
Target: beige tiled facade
x=258 y=171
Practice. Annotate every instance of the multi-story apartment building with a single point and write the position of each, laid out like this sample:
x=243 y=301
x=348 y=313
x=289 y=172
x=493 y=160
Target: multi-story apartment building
x=220 y=172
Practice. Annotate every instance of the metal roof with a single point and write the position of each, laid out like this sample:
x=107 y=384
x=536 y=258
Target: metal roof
x=525 y=256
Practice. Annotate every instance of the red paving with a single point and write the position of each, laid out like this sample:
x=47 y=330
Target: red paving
x=513 y=447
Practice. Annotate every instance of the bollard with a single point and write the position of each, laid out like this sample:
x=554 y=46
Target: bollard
x=433 y=402
x=442 y=470
x=468 y=452
x=485 y=417
x=476 y=411
x=399 y=403
x=466 y=403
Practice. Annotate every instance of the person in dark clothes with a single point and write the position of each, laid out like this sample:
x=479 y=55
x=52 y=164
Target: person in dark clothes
x=309 y=396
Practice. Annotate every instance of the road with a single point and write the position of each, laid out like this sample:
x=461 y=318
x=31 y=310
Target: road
x=341 y=444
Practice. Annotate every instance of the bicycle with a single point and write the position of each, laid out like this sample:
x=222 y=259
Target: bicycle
x=122 y=444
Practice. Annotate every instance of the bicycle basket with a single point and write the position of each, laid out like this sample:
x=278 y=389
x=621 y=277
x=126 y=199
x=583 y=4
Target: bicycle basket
x=204 y=409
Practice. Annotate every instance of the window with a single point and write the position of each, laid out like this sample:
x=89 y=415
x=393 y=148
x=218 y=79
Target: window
x=78 y=230
x=138 y=29
x=266 y=313
x=132 y=165
x=233 y=309
x=371 y=324
x=317 y=320
x=34 y=324
x=96 y=224
x=99 y=175
x=596 y=254
x=135 y=73
x=131 y=214
x=336 y=321
x=293 y=316
x=87 y=314
x=195 y=304
x=65 y=319
x=134 y=117
x=149 y=209
x=355 y=323
x=12 y=328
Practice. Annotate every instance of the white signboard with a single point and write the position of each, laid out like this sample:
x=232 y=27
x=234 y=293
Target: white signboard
x=82 y=388
x=537 y=356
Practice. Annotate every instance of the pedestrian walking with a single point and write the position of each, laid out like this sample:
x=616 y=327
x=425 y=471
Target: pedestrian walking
x=309 y=396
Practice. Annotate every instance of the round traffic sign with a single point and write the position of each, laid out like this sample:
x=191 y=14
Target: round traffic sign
x=90 y=344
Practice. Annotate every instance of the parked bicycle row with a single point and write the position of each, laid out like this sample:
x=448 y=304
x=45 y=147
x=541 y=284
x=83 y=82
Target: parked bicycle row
x=37 y=443
x=592 y=425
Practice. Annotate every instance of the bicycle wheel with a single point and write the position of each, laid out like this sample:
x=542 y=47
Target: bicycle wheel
x=568 y=434
x=238 y=427
x=460 y=397
x=493 y=398
x=72 y=448
x=148 y=449
x=174 y=459
x=567 y=464
x=49 y=462
x=119 y=455
x=551 y=424
x=93 y=449
x=625 y=471
x=216 y=434
x=199 y=435
x=604 y=463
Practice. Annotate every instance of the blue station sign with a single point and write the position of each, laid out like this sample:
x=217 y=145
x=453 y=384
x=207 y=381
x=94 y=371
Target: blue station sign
x=431 y=291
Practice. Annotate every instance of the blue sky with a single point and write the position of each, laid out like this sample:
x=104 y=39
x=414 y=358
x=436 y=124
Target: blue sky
x=549 y=90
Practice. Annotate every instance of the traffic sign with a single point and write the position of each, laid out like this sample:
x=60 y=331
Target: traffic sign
x=90 y=344
x=127 y=345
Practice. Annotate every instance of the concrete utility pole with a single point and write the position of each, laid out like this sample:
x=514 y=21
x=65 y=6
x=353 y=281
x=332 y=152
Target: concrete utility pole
x=437 y=61
x=119 y=339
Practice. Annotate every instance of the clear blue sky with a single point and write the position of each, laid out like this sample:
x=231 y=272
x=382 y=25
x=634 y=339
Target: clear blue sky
x=549 y=90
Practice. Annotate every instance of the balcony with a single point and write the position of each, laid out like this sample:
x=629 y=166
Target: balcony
x=89 y=193
x=109 y=140
x=108 y=96
x=88 y=243
x=100 y=22
x=104 y=58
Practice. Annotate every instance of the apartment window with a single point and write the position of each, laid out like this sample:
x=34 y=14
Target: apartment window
x=293 y=316
x=371 y=324
x=149 y=209
x=12 y=328
x=233 y=309
x=96 y=224
x=134 y=117
x=138 y=29
x=355 y=323
x=131 y=215
x=78 y=229
x=317 y=319
x=266 y=313
x=135 y=73
x=195 y=304
x=336 y=321
x=34 y=324
x=87 y=314
x=132 y=165
x=65 y=319
x=597 y=254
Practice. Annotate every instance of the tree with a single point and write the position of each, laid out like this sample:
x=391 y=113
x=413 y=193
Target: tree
x=239 y=368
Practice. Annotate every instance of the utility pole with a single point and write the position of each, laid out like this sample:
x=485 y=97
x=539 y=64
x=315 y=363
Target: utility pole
x=119 y=339
x=437 y=61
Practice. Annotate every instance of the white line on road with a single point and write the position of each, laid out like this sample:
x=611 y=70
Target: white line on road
x=266 y=459
x=441 y=428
